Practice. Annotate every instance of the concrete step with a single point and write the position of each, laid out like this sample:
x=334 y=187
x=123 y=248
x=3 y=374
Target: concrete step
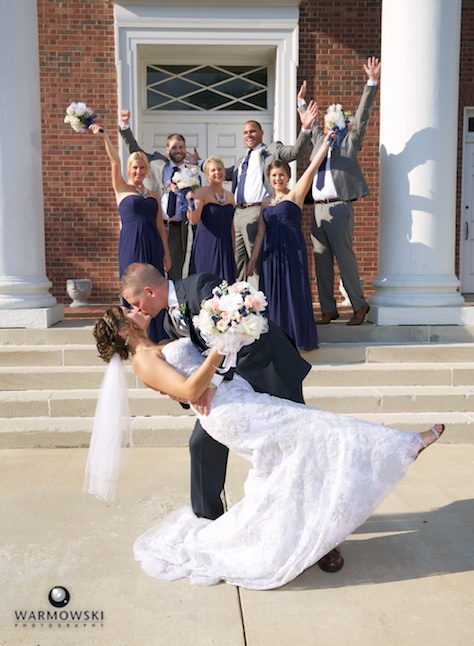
x=343 y=399
x=165 y=431
x=363 y=374
x=74 y=354
x=80 y=331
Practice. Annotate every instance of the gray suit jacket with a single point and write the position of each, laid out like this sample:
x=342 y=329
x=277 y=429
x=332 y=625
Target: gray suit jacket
x=269 y=154
x=156 y=160
x=345 y=169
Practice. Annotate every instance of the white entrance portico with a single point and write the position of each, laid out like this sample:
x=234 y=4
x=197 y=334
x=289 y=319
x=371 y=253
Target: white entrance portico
x=25 y=300
x=416 y=283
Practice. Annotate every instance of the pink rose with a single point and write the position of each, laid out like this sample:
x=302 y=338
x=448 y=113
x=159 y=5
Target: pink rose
x=222 y=325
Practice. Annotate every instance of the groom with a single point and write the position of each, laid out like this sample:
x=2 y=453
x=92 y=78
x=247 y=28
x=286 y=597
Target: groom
x=271 y=365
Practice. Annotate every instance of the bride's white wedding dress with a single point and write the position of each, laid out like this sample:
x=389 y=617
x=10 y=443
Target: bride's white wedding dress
x=316 y=477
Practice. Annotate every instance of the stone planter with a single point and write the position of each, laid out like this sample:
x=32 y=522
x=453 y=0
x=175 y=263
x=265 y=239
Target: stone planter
x=79 y=290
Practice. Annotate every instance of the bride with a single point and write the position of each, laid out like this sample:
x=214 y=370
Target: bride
x=316 y=476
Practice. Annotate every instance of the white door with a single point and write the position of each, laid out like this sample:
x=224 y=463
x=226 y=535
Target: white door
x=210 y=137
x=467 y=210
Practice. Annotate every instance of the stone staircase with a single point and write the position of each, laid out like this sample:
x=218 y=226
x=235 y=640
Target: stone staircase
x=404 y=376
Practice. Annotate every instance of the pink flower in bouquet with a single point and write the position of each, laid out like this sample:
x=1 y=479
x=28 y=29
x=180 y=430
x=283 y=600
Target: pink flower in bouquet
x=215 y=303
x=255 y=302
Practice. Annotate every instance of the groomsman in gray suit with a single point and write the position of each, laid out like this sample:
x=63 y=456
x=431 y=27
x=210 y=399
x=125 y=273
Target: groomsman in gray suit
x=250 y=183
x=162 y=170
x=337 y=184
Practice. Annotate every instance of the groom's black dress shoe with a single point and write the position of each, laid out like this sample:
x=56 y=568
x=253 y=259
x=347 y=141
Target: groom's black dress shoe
x=332 y=562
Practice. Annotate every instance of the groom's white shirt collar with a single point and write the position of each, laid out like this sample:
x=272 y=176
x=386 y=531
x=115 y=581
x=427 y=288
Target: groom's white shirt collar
x=172 y=298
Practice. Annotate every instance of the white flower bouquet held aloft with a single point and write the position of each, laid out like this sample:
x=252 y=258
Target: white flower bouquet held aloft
x=79 y=116
x=336 y=117
x=232 y=318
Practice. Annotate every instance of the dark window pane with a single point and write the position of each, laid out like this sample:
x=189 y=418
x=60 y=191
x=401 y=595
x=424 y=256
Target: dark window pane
x=206 y=100
x=239 y=88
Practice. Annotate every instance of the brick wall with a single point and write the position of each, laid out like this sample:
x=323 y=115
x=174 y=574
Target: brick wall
x=336 y=37
x=77 y=62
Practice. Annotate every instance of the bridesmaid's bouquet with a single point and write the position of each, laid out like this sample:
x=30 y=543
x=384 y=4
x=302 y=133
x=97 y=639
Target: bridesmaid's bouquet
x=186 y=179
x=337 y=117
x=232 y=318
x=79 y=116
x=338 y=120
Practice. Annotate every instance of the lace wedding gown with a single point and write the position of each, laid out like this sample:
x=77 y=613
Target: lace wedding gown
x=316 y=477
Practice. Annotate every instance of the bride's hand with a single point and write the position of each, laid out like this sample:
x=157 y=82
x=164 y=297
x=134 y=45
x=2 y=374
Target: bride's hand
x=203 y=404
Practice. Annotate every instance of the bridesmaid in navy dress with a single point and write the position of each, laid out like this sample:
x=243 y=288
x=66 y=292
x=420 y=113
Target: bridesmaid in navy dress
x=211 y=210
x=142 y=236
x=284 y=277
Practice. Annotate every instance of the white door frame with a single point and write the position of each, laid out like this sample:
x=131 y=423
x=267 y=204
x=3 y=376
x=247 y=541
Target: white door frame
x=466 y=229
x=239 y=28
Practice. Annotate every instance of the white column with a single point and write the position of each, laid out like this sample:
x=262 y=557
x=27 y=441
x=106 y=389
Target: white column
x=416 y=283
x=25 y=300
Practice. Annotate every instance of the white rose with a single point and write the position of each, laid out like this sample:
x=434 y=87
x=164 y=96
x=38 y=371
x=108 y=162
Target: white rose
x=252 y=325
x=231 y=302
x=71 y=110
x=204 y=322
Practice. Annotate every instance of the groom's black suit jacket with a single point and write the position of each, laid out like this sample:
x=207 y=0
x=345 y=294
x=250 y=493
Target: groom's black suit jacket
x=271 y=364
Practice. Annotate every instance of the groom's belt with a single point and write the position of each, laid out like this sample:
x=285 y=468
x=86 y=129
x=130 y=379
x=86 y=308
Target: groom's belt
x=246 y=206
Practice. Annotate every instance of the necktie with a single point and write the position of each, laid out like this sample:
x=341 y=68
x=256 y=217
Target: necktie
x=241 y=182
x=321 y=174
x=171 y=208
x=179 y=321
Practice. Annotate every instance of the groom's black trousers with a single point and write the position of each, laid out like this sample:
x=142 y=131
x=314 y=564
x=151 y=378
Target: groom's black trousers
x=208 y=469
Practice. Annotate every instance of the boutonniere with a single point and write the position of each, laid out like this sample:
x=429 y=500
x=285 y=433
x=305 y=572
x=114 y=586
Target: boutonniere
x=184 y=309
x=264 y=153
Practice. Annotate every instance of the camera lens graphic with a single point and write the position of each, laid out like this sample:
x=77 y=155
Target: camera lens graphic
x=59 y=597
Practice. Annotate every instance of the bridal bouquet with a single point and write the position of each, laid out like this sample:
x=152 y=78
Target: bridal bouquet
x=232 y=319
x=186 y=179
x=79 y=116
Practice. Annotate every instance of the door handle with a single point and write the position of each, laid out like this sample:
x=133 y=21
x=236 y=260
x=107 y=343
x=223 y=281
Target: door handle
x=466 y=230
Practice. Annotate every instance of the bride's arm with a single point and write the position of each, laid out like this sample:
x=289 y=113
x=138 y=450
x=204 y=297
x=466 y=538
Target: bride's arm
x=156 y=373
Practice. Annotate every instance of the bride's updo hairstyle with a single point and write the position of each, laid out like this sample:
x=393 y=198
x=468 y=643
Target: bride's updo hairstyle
x=106 y=333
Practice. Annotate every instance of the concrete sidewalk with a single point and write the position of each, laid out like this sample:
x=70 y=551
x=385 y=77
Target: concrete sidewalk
x=408 y=578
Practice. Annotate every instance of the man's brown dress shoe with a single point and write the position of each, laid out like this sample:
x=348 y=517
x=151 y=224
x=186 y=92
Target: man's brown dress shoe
x=327 y=318
x=359 y=316
x=332 y=562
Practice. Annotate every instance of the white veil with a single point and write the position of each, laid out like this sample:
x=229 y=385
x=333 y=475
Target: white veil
x=111 y=432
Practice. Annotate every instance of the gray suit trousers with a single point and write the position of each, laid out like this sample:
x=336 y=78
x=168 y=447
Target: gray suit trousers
x=246 y=227
x=331 y=235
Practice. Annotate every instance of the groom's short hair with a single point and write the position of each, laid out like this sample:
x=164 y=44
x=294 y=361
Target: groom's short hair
x=138 y=275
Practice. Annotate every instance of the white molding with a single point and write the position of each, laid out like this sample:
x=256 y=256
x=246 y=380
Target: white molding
x=232 y=26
